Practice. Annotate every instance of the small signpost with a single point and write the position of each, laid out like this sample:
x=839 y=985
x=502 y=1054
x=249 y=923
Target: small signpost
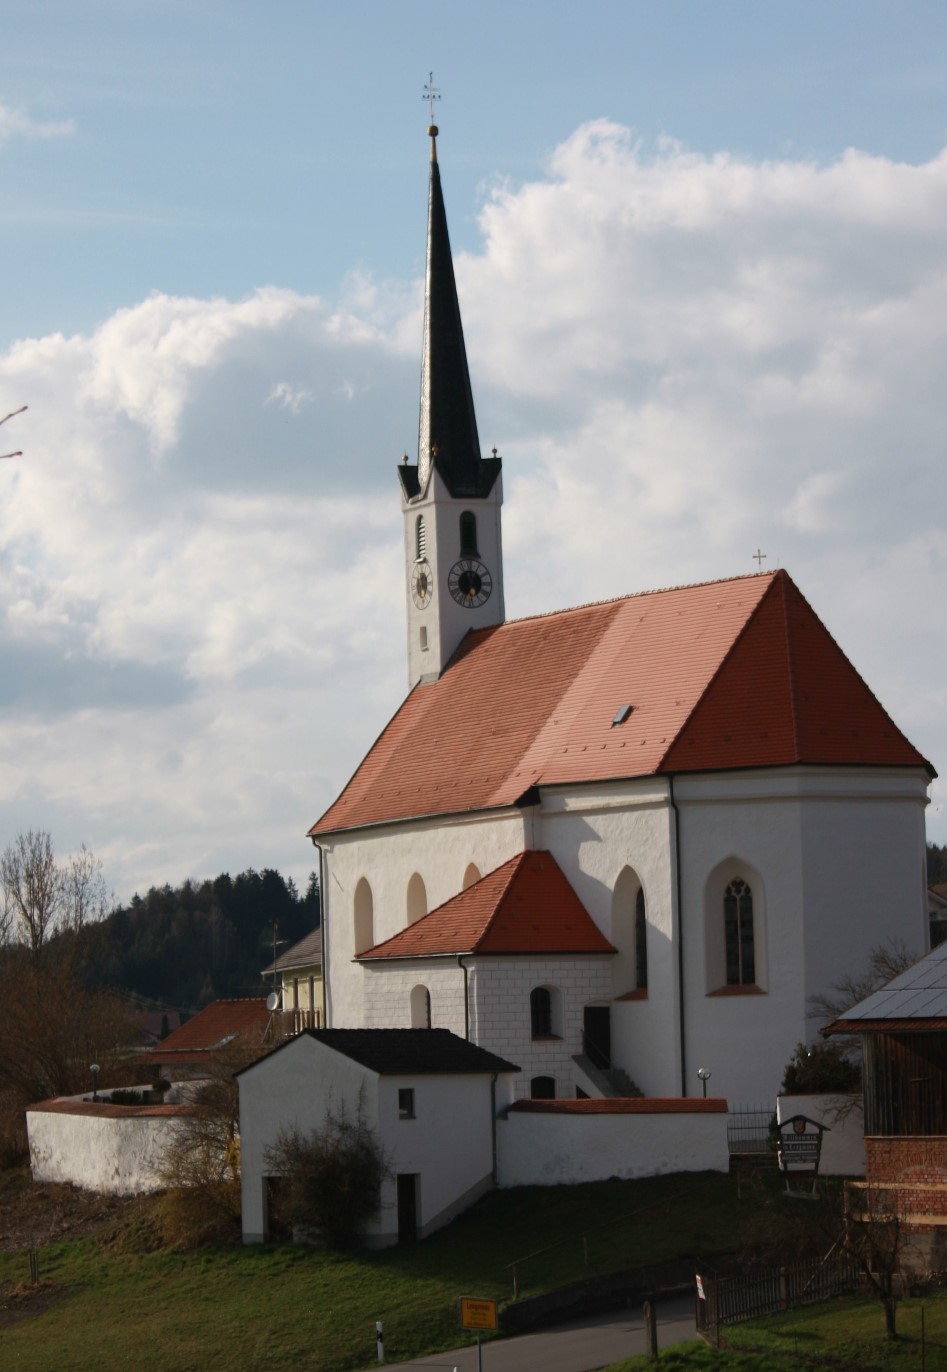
x=800 y=1149
x=479 y=1315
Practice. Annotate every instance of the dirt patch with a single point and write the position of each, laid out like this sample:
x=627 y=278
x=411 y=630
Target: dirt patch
x=23 y=1300
x=33 y=1214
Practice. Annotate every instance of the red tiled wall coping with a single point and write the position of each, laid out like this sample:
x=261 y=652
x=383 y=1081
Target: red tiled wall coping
x=106 y=1110
x=625 y=1105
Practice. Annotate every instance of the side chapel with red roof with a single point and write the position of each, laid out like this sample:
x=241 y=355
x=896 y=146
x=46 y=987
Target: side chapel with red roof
x=616 y=843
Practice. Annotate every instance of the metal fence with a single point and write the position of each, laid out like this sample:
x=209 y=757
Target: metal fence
x=748 y=1129
x=766 y=1291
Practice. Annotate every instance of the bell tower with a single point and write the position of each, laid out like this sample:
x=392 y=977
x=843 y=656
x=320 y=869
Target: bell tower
x=451 y=500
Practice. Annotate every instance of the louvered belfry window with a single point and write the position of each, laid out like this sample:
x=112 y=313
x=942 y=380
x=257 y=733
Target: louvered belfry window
x=468 y=534
x=738 y=933
x=420 y=538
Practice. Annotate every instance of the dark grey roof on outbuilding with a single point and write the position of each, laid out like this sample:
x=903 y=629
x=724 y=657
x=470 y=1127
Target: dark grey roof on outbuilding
x=401 y=1052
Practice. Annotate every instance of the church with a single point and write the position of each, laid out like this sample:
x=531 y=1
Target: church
x=619 y=845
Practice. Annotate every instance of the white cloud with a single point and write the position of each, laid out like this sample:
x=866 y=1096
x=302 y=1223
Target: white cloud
x=681 y=359
x=18 y=124
x=288 y=397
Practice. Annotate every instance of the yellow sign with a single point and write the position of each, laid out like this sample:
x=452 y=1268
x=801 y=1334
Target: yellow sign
x=475 y=1314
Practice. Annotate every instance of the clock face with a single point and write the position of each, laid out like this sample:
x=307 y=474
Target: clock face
x=422 y=585
x=469 y=582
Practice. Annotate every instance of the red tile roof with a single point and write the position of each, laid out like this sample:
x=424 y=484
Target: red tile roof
x=214 y=1027
x=729 y=674
x=525 y=906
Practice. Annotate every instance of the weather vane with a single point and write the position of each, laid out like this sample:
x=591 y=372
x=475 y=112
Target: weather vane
x=431 y=93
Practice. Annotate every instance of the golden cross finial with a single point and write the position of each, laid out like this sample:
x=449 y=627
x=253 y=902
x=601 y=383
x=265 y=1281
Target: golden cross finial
x=759 y=558
x=430 y=94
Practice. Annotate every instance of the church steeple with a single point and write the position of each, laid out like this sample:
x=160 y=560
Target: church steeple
x=448 y=424
x=452 y=498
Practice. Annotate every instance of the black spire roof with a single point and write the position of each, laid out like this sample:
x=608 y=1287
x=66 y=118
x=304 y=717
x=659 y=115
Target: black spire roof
x=447 y=435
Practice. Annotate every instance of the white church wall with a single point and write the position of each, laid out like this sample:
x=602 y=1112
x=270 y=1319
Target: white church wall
x=388 y=857
x=800 y=836
x=547 y=1148
x=293 y=1088
x=500 y=1012
x=388 y=987
x=864 y=876
x=593 y=833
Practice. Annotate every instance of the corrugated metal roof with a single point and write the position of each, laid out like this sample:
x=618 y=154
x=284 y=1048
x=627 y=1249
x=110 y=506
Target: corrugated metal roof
x=916 y=995
x=724 y=675
x=524 y=906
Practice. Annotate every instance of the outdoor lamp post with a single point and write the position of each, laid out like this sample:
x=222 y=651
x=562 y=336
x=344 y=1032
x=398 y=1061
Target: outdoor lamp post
x=704 y=1074
x=94 y=1069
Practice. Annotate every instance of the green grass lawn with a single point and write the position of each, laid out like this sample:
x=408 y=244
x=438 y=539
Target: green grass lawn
x=107 y=1304
x=847 y=1333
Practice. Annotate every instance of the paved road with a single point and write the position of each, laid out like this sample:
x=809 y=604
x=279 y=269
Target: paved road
x=581 y=1346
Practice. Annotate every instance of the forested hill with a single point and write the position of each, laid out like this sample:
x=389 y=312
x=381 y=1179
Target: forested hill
x=936 y=864
x=187 y=945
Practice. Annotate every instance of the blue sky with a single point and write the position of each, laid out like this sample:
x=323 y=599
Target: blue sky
x=701 y=253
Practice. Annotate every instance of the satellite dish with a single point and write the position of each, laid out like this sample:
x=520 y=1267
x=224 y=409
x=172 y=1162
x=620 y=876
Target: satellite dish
x=272 y=1001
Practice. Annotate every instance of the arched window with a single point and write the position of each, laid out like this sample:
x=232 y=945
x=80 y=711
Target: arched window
x=641 y=943
x=420 y=1007
x=363 y=917
x=542 y=1088
x=540 y=1012
x=417 y=899
x=738 y=933
x=468 y=534
x=629 y=935
x=420 y=538
x=471 y=875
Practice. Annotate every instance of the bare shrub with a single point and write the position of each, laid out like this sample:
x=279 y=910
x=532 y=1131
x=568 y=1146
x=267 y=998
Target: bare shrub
x=333 y=1177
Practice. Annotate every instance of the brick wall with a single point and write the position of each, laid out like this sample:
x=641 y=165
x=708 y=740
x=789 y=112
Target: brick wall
x=905 y=1176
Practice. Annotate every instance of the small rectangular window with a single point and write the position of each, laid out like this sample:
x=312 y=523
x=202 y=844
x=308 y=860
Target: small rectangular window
x=406 y=1103
x=423 y=639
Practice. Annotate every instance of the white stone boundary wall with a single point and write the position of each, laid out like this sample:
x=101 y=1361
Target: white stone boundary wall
x=549 y=1143
x=843 y=1145
x=101 y=1147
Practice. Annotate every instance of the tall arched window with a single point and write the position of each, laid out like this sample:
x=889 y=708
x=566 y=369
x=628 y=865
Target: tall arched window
x=629 y=935
x=540 y=1012
x=471 y=875
x=363 y=917
x=420 y=1007
x=641 y=943
x=468 y=534
x=416 y=899
x=738 y=933
x=420 y=538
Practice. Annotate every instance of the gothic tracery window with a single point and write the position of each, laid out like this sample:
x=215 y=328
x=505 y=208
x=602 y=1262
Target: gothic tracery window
x=738 y=933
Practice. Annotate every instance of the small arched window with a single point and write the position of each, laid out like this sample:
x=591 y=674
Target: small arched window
x=420 y=538
x=471 y=875
x=416 y=899
x=420 y=1007
x=468 y=534
x=738 y=933
x=641 y=943
x=542 y=1088
x=363 y=916
x=540 y=1012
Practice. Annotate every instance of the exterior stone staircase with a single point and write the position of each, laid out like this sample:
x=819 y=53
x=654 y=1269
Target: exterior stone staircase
x=611 y=1081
